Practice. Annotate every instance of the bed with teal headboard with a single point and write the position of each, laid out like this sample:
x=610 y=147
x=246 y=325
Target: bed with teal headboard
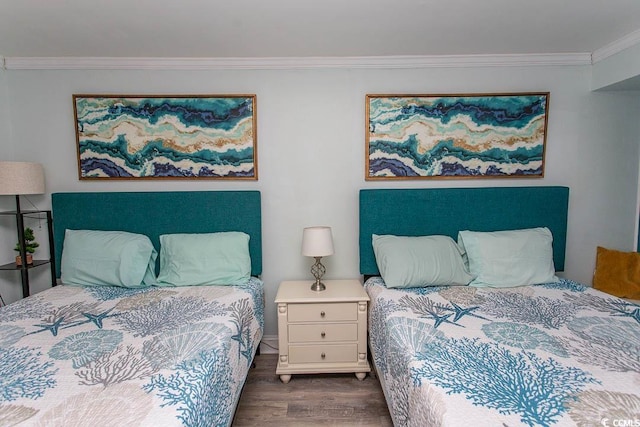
x=162 y=349
x=454 y=352
x=446 y=211
x=156 y=213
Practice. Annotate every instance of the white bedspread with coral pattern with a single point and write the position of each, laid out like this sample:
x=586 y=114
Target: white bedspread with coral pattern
x=555 y=354
x=108 y=356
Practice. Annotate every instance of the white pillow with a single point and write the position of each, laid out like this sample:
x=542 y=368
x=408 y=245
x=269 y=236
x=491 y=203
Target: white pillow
x=503 y=259
x=409 y=262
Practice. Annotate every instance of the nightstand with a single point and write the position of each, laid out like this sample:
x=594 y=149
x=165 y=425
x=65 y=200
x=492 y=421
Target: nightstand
x=322 y=332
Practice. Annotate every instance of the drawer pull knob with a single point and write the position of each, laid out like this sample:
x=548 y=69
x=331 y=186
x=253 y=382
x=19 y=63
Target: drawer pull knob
x=322 y=334
x=322 y=314
x=323 y=355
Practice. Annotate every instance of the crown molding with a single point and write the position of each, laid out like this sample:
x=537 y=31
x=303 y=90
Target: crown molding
x=383 y=62
x=617 y=46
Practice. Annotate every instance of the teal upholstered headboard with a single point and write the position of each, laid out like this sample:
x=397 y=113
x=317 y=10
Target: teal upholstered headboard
x=418 y=212
x=156 y=213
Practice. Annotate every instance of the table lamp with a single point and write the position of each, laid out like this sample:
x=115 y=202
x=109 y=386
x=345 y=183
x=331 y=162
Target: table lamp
x=317 y=242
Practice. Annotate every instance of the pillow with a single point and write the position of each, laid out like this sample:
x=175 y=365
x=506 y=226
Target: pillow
x=204 y=259
x=617 y=273
x=409 y=262
x=504 y=259
x=111 y=258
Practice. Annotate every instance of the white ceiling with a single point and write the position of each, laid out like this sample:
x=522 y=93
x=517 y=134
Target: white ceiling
x=310 y=28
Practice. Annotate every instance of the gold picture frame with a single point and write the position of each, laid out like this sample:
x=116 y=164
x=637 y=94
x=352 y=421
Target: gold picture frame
x=493 y=135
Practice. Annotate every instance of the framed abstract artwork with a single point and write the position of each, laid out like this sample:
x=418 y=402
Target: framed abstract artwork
x=456 y=136
x=166 y=137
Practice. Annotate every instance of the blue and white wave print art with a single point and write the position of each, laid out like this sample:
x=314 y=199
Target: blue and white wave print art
x=166 y=137
x=459 y=136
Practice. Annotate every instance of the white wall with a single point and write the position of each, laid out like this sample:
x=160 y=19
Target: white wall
x=311 y=149
x=620 y=71
x=6 y=146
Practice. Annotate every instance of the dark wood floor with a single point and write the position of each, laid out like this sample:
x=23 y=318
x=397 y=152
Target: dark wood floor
x=309 y=400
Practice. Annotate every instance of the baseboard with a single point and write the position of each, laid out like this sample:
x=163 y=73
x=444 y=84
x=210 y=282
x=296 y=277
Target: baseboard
x=269 y=344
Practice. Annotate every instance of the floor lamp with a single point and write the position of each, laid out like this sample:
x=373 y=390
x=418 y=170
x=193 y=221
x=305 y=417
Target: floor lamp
x=16 y=179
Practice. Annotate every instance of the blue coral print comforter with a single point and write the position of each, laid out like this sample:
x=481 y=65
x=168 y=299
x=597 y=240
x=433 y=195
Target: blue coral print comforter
x=108 y=356
x=555 y=354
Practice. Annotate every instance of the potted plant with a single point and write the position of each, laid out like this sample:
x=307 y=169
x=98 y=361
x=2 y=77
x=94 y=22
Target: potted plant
x=30 y=246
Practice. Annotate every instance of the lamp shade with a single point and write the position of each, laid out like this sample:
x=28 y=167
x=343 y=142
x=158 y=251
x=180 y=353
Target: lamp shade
x=317 y=242
x=18 y=178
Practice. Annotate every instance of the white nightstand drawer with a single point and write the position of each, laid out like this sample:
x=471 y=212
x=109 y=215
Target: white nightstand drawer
x=328 y=332
x=323 y=353
x=327 y=312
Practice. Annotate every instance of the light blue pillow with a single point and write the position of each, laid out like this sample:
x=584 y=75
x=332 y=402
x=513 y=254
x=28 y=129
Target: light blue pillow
x=107 y=258
x=409 y=262
x=204 y=259
x=512 y=258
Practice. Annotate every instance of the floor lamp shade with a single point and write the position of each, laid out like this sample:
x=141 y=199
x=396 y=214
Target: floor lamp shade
x=17 y=178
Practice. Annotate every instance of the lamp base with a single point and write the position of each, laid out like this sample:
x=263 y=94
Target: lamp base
x=318 y=271
x=318 y=286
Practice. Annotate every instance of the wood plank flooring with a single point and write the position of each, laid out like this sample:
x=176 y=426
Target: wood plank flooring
x=309 y=400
